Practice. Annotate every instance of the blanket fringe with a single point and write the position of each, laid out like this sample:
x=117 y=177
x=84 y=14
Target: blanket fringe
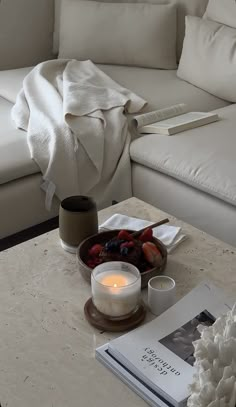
x=49 y=187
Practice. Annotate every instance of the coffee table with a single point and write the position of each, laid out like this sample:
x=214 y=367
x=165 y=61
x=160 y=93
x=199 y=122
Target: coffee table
x=47 y=347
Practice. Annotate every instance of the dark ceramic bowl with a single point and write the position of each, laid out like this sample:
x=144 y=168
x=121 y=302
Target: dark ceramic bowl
x=102 y=238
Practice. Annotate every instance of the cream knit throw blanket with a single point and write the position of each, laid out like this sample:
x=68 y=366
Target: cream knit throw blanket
x=77 y=129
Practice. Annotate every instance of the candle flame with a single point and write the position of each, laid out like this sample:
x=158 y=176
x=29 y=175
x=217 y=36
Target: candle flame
x=114 y=281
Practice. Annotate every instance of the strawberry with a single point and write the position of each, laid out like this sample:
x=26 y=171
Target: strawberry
x=124 y=235
x=90 y=264
x=127 y=244
x=151 y=253
x=130 y=244
x=95 y=250
x=97 y=261
x=146 y=236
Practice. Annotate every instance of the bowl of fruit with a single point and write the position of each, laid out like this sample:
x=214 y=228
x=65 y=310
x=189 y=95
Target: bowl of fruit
x=142 y=250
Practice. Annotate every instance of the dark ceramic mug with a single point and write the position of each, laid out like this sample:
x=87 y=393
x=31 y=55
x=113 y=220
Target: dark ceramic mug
x=78 y=219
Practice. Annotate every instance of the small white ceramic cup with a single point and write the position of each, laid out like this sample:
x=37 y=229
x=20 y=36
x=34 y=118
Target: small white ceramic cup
x=161 y=294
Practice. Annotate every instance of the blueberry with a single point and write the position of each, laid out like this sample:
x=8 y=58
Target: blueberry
x=107 y=246
x=111 y=246
x=124 y=251
x=117 y=243
x=114 y=244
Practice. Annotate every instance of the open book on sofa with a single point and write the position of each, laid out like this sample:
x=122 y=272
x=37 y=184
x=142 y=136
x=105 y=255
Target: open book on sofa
x=172 y=120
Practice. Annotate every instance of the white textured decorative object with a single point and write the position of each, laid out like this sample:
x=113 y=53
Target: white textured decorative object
x=215 y=378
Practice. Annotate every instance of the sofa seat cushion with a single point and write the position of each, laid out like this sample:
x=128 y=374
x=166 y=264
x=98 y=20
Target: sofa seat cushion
x=15 y=160
x=11 y=82
x=203 y=157
x=161 y=88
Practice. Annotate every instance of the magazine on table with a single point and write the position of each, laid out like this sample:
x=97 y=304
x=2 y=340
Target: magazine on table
x=156 y=360
x=172 y=120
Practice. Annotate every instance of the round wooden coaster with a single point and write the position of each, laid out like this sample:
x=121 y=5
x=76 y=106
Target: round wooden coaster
x=95 y=318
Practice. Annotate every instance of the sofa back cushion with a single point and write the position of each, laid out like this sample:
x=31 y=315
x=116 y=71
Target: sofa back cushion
x=208 y=59
x=26 y=32
x=184 y=7
x=222 y=11
x=119 y=34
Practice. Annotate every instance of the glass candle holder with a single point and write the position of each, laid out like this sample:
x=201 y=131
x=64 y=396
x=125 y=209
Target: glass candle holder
x=161 y=294
x=116 y=289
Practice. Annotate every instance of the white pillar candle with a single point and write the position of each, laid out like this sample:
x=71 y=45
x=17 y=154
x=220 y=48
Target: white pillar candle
x=161 y=294
x=116 y=288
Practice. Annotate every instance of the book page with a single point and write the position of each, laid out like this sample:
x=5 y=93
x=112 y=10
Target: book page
x=182 y=119
x=180 y=341
x=158 y=115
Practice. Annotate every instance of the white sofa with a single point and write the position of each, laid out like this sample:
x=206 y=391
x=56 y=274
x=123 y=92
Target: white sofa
x=191 y=176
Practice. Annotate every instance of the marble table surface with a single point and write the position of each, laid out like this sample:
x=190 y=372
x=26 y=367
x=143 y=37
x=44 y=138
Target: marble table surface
x=47 y=348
